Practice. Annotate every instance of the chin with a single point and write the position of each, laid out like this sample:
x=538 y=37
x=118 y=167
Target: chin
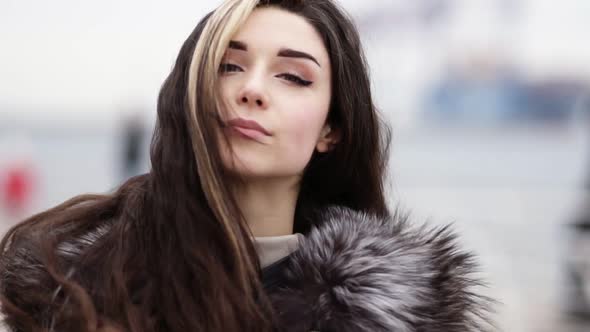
x=255 y=166
x=247 y=170
x=262 y=172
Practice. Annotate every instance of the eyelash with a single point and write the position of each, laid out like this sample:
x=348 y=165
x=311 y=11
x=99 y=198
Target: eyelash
x=227 y=67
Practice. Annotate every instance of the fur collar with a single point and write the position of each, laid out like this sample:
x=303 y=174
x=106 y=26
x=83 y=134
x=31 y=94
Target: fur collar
x=357 y=272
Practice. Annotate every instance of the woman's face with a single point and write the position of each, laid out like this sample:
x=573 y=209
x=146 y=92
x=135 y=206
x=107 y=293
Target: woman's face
x=275 y=79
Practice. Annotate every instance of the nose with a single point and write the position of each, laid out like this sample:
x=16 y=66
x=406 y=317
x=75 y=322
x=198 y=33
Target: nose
x=253 y=95
x=251 y=99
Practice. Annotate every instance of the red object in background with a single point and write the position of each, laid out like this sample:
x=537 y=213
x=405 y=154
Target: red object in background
x=17 y=188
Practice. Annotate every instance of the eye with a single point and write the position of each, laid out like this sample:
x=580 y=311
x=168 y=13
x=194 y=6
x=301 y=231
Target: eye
x=295 y=79
x=229 y=67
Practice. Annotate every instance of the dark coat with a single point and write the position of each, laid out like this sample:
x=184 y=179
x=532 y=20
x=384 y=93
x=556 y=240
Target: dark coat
x=354 y=272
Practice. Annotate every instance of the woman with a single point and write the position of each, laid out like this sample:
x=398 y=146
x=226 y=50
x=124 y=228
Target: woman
x=264 y=208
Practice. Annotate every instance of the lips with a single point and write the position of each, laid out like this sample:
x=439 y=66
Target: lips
x=248 y=128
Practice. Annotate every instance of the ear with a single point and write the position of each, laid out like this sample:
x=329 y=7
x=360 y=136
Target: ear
x=328 y=139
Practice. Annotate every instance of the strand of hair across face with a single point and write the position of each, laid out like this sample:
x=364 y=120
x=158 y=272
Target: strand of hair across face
x=209 y=51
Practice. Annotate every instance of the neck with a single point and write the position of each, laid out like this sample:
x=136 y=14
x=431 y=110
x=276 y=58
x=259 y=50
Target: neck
x=268 y=205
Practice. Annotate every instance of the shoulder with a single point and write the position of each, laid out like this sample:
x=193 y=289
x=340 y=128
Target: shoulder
x=360 y=272
x=25 y=254
x=27 y=286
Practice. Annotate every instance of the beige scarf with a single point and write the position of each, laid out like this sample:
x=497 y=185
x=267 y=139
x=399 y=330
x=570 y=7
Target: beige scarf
x=271 y=249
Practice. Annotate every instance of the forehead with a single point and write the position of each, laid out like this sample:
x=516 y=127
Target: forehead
x=270 y=28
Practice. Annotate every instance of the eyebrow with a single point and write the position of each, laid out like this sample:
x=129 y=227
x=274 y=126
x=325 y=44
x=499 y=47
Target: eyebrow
x=283 y=52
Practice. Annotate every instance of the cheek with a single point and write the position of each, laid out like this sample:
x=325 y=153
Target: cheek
x=302 y=131
x=303 y=119
x=304 y=128
x=227 y=90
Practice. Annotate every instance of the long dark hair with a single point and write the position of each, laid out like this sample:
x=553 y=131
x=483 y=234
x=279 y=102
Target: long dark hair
x=169 y=250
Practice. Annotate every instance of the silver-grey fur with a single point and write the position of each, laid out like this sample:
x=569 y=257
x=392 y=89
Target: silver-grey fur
x=357 y=272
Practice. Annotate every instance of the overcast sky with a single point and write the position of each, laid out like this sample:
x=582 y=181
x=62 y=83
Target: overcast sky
x=65 y=56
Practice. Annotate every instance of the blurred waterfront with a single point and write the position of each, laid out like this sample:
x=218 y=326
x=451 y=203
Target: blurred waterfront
x=489 y=102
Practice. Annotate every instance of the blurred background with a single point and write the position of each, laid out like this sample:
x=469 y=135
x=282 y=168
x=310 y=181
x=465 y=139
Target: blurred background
x=489 y=101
